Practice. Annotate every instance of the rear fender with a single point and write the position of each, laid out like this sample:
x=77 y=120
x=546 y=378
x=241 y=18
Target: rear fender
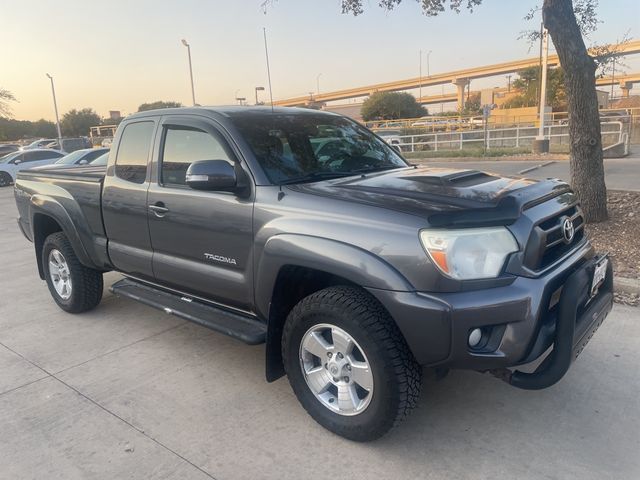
x=76 y=230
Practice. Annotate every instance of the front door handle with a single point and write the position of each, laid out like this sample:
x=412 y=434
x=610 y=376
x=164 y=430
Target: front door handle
x=158 y=209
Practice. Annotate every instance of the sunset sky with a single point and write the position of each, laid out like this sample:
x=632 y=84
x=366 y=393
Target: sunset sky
x=117 y=54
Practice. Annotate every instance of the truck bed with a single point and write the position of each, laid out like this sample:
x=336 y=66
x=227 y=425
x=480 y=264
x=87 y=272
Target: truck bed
x=77 y=189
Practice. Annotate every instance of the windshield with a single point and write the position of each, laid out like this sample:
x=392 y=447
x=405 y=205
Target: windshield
x=310 y=147
x=9 y=157
x=72 y=158
x=101 y=160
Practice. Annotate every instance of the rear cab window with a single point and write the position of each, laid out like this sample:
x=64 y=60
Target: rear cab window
x=133 y=151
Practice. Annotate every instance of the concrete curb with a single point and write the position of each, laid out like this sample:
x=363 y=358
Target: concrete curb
x=626 y=285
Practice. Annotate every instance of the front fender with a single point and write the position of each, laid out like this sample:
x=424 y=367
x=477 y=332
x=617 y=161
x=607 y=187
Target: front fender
x=347 y=261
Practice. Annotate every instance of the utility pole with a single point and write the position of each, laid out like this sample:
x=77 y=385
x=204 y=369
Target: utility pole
x=193 y=92
x=266 y=53
x=55 y=108
x=613 y=78
x=508 y=83
x=318 y=83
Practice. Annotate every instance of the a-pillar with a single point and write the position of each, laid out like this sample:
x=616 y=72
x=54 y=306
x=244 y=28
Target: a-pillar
x=461 y=84
x=625 y=87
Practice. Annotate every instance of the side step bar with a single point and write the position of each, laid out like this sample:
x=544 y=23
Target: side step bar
x=238 y=326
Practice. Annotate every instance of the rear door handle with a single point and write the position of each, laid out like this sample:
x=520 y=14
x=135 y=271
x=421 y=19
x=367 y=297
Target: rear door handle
x=159 y=209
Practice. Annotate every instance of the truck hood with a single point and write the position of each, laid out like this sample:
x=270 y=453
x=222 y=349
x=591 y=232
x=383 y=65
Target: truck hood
x=445 y=196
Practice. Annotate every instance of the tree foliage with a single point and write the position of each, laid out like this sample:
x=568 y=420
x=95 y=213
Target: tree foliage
x=158 y=104
x=78 y=122
x=391 y=106
x=5 y=97
x=527 y=87
x=11 y=130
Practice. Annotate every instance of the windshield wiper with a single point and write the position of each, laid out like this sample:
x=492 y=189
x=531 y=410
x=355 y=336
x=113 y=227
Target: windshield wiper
x=375 y=169
x=316 y=177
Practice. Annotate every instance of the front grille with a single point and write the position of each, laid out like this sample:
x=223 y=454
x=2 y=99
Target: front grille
x=548 y=243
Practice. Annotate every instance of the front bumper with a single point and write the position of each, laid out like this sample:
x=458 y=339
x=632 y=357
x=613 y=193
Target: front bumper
x=521 y=317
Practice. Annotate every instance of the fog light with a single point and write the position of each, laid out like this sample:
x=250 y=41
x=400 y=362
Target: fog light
x=474 y=337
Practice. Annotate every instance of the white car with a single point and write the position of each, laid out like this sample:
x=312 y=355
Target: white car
x=41 y=143
x=11 y=164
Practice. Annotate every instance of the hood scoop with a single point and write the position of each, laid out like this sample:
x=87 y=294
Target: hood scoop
x=461 y=178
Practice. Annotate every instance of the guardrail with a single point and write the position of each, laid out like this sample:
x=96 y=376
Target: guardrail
x=513 y=137
x=459 y=122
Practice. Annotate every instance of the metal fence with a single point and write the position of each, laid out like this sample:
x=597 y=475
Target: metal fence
x=512 y=137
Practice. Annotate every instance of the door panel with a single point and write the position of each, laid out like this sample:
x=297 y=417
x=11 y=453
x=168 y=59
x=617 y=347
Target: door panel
x=202 y=241
x=124 y=200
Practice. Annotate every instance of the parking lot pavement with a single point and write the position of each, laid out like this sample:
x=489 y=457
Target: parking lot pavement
x=126 y=392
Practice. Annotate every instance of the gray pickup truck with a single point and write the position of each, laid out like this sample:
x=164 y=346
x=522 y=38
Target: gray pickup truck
x=304 y=230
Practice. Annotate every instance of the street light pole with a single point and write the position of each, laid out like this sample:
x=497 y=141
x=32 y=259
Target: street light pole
x=318 y=83
x=420 y=79
x=428 y=72
x=55 y=108
x=193 y=91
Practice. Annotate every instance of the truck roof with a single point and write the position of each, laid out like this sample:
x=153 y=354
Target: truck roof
x=231 y=111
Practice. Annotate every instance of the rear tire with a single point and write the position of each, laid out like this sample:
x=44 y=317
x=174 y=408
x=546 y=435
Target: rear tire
x=320 y=368
x=5 y=179
x=74 y=287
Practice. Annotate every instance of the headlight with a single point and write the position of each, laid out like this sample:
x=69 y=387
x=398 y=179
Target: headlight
x=470 y=253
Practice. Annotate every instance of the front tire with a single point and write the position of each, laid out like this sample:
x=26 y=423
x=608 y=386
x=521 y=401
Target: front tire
x=74 y=287
x=348 y=363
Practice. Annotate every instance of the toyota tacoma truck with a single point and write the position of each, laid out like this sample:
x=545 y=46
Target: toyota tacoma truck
x=305 y=231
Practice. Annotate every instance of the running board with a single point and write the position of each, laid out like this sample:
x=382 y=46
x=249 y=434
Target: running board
x=238 y=326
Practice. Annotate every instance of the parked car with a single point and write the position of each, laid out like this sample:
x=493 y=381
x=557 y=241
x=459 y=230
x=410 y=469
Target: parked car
x=70 y=144
x=80 y=157
x=357 y=271
x=41 y=143
x=12 y=163
x=7 y=148
x=101 y=160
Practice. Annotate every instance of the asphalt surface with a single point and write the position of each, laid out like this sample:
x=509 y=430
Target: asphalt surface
x=127 y=392
x=620 y=173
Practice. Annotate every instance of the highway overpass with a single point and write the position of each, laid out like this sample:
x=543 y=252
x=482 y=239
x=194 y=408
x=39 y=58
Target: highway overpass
x=460 y=78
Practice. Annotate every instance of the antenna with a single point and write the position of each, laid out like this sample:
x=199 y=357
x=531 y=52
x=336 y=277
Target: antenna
x=266 y=52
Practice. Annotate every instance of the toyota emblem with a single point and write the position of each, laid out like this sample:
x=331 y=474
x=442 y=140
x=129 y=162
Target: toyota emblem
x=567 y=230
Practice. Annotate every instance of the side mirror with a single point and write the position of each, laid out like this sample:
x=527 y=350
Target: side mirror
x=17 y=161
x=397 y=148
x=83 y=162
x=211 y=175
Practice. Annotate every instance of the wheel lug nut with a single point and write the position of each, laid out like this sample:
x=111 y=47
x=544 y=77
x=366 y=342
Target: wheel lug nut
x=349 y=367
x=329 y=354
x=340 y=355
x=326 y=365
x=346 y=379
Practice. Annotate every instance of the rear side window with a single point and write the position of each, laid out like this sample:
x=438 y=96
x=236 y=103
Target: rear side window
x=36 y=156
x=133 y=152
x=182 y=147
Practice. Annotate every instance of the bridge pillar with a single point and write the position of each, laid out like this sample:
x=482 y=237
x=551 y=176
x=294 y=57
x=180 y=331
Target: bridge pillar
x=461 y=84
x=625 y=87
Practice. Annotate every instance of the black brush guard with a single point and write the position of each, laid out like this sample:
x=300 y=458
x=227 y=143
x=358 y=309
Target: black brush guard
x=579 y=316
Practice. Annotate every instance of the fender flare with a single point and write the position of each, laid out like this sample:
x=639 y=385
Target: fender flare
x=348 y=261
x=78 y=233
x=353 y=263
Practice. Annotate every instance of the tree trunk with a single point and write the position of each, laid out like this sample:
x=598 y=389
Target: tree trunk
x=586 y=166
